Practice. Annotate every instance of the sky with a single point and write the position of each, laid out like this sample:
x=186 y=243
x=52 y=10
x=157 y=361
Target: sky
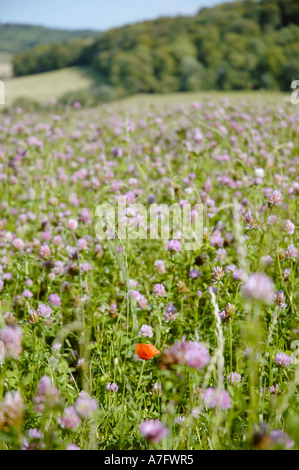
x=94 y=14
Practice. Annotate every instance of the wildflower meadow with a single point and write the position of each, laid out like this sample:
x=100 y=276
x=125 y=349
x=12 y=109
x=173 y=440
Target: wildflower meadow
x=140 y=342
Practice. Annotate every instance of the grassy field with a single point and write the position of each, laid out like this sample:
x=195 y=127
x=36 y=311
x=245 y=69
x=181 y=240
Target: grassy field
x=5 y=65
x=253 y=97
x=129 y=341
x=42 y=87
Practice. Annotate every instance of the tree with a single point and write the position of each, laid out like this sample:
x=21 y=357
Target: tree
x=193 y=74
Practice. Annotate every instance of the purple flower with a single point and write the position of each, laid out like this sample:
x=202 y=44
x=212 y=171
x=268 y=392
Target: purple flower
x=289 y=227
x=213 y=398
x=275 y=198
x=221 y=255
x=69 y=420
x=196 y=354
x=228 y=312
x=291 y=252
x=135 y=294
x=146 y=331
x=196 y=412
x=234 y=378
x=35 y=433
x=216 y=239
x=47 y=396
x=27 y=294
x=57 y=240
x=72 y=447
x=282 y=439
x=117 y=152
x=259 y=287
x=174 y=245
x=159 y=290
x=54 y=300
x=151 y=199
x=12 y=339
x=160 y=266
x=112 y=387
x=44 y=311
x=86 y=406
x=217 y=274
x=82 y=244
x=113 y=308
x=222 y=315
x=191 y=353
x=85 y=267
x=12 y=410
x=44 y=251
x=250 y=220
x=283 y=359
x=266 y=260
x=153 y=430
x=239 y=275
x=275 y=390
x=179 y=419
x=84 y=216
x=280 y=299
x=142 y=302
x=18 y=244
x=72 y=224
x=194 y=274
x=170 y=313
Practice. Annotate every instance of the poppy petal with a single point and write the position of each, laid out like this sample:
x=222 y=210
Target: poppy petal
x=146 y=351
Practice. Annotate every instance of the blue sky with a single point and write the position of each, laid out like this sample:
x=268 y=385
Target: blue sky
x=94 y=14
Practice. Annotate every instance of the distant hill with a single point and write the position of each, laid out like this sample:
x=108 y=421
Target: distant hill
x=16 y=38
x=248 y=44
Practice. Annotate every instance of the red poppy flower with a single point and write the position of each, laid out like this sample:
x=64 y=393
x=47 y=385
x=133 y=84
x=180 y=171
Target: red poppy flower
x=146 y=351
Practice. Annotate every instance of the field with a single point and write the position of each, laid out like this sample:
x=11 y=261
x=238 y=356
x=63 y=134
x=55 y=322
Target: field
x=187 y=98
x=139 y=341
x=42 y=87
x=5 y=65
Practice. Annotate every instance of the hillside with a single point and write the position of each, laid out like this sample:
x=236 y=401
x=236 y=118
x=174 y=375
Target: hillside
x=233 y=46
x=16 y=38
x=44 y=86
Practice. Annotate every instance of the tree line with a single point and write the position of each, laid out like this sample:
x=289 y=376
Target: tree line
x=17 y=38
x=234 y=46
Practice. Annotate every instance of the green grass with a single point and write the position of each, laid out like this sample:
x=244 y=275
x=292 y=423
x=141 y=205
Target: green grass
x=147 y=99
x=52 y=171
x=5 y=65
x=42 y=87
